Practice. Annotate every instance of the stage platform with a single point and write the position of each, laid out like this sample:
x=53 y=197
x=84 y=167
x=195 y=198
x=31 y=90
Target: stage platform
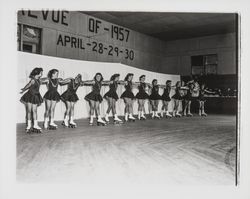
x=178 y=151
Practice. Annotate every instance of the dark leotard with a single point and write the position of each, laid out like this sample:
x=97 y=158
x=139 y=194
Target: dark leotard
x=142 y=93
x=95 y=93
x=70 y=94
x=33 y=95
x=52 y=93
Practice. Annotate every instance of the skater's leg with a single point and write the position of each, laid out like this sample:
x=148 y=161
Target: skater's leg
x=126 y=110
x=34 y=112
x=130 y=107
x=109 y=100
x=28 y=107
x=52 y=113
x=67 y=112
x=156 y=108
x=200 y=107
x=92 y=111
x=99 y=118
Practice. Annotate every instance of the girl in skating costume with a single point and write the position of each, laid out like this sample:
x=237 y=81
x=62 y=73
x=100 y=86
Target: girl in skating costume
x=111 y=97
x=69 y=97
x=154 y=98
x=178 y=96
x=166 y=99
x=32 y=98
x=52 y=97
x=128 y=97
x=142 y=96
x=202 y=100
x=94 y=97
x=188 y=98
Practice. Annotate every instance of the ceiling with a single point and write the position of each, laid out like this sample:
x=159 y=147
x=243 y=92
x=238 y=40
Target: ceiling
x=171 y=26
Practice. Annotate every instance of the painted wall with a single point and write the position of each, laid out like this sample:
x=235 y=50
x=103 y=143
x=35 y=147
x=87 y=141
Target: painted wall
x=101 y=40
x=60 y=28
x=179 y=52
x=70 y=68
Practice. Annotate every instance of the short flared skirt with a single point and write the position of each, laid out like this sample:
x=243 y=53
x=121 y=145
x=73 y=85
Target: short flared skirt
x=177 y=97
x=128 y=94
x=111 y=94
x=189 y=98
x=155 y=97
x=93 y=96
x=166 y=98
x=33 y=98
x=69 y=96
x=201 y=98
x=142 y=95
x=52 y=95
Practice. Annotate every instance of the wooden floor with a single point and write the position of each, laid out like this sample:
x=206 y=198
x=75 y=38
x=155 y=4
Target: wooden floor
x=173 y=151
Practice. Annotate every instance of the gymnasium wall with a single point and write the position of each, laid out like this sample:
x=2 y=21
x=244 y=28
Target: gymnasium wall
x=70 y=68
x=179 y=52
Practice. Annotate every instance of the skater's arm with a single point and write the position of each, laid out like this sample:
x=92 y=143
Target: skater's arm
x=107 y=82
x=64 y=81
x=44 y=80
x=27 y=86
x=209 y=92
x=136 y=83
x=88 y=82
x=161 y=86
x=122 y=82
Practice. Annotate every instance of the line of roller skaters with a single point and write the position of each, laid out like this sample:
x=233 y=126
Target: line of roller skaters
x=32 y=98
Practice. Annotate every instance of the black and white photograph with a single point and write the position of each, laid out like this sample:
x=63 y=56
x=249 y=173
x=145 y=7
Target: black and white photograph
x=149 y=98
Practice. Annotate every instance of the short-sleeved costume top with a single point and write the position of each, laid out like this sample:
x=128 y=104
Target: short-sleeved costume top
x=70 y=94
x=33 y=95
x=52 y=93
x=142 y=91
x=95 y=93
x=112 y=91
x=128 y=91
x=155 y=93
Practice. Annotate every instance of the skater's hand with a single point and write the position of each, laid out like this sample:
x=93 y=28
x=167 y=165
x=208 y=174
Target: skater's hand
x=22 y=90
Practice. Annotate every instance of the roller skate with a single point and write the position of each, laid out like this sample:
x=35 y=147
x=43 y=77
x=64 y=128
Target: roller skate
x=200 y=113
x=45 y=124
x=126 y=117
x=36 y=128
x=168 y=115
x=131 y=118
x=117 y=120
x=184 y=113
x=65 y=122
x=178 y=114
x=101 y=122
x=91 y=120
x=189 y=114
x=139 y=115
x=162 y=114
x=28 y=128
x=203 y=114
x=107 y=118
x=153 y=115
x=52 y=125
x=157 y=116
x=143 y=117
